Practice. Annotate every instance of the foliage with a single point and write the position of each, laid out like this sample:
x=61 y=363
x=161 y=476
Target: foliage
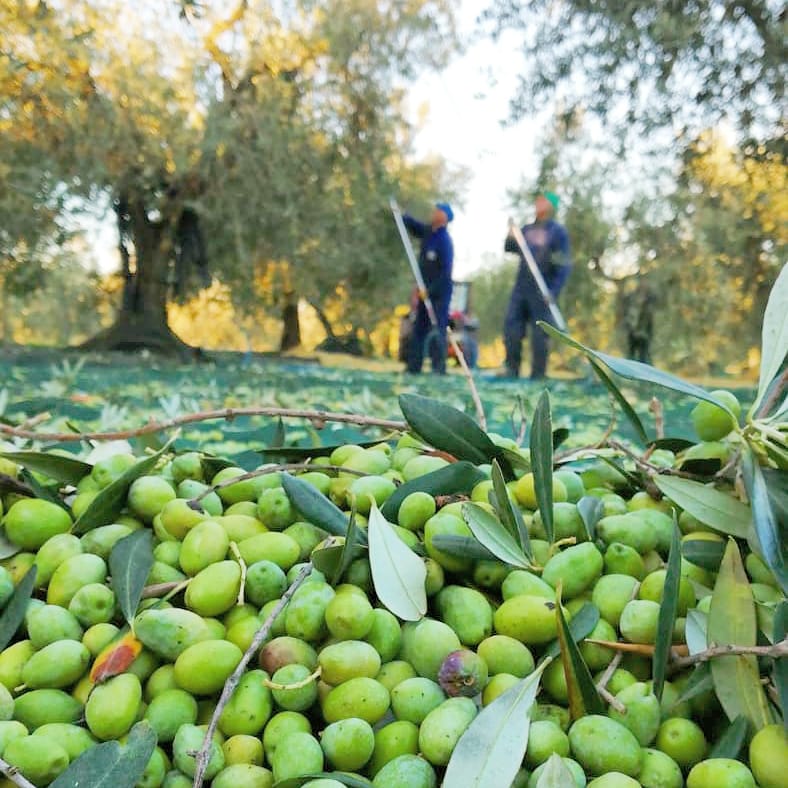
x=664 y=63
x=265 y=137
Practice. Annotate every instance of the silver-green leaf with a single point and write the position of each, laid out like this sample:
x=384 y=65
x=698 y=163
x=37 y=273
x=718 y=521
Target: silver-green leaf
x=490 y=751
x=719 y=510
x=398 y=574
x=494 y=536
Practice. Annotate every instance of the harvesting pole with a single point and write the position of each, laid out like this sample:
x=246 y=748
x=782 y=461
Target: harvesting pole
x=547 y=296
x=431 y=314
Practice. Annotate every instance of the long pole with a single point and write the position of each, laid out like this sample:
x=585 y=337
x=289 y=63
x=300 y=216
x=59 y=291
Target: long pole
x=555 y=312
x=414 y=266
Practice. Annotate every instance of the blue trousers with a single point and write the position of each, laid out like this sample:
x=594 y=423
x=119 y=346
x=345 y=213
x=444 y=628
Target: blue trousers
x=426 y=339
x=525 y=308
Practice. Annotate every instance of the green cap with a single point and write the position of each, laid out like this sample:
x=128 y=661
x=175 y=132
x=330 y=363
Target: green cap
x=552 y=198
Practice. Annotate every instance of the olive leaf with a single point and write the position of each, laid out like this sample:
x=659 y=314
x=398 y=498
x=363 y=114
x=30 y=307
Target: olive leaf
x=509 y=514
x=668 y=611
x=774 y=335
x=556 y=774
x=451 y=430
x=130 y=563
x=304 y=453
x=110 y=501
x=698 y=683
x=314 y=506
x=7 y=547
x=703 y=553
x=14 y=612
x=580 y=626
x=717 y=509
x=635 y=370
x=591 y=511
x=490 y=751
x=541 y=443
x=583 y=694
x=462 y=547
x=350 y=780
x=767 y=528
x=629 y=411
x=730 y=743
x=732 y=621
x=457 y=477
x=68 y=470
x=110 y=765
x=398 y=574
x=492 y=534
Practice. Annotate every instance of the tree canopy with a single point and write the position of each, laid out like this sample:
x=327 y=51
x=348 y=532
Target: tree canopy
x=232 y=142
x=685 y=63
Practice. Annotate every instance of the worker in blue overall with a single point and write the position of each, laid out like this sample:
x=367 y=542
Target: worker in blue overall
x=549 y=243
x=436 y=258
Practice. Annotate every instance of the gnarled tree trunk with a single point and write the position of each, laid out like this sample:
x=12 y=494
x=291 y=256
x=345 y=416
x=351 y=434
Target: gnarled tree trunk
x=141 y=321
x=291 y=326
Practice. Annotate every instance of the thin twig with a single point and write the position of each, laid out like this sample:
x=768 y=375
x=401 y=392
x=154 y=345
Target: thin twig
x=776 y=651
x=159 y=589
x=649 y=468
x=227 y=414
x=644 y=649
x=610 y=427
x=729 y=466
x=203 y=756
x=610 y=670
x=655 y=407
x=33 y=420
x=14 y=775
x=239 y=558
x=614 y=663
x=612 y=700
x=776 y=391
x=298 y=684
x=480 y=417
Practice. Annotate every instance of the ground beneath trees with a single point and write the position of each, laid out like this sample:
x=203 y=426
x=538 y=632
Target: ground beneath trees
x=119 y=391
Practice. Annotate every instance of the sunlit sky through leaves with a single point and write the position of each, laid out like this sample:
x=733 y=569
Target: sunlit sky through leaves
x=458 y=113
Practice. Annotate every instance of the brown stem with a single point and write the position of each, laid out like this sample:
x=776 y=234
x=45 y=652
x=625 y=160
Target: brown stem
x=159 y=589
x=481 y=418
x=655 y=406
x=610 y=427
x=610 y=670
x=652 y=489
x=203 y=755
x=226 y=413
x=13 y=774
x=777 y=651
x=611 y=699
x=776 y=391
x=644 y=649
x=614 y=663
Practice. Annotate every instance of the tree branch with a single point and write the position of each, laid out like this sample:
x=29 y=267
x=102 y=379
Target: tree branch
x=777 y=651
x=203 y=755
x=318 y=417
